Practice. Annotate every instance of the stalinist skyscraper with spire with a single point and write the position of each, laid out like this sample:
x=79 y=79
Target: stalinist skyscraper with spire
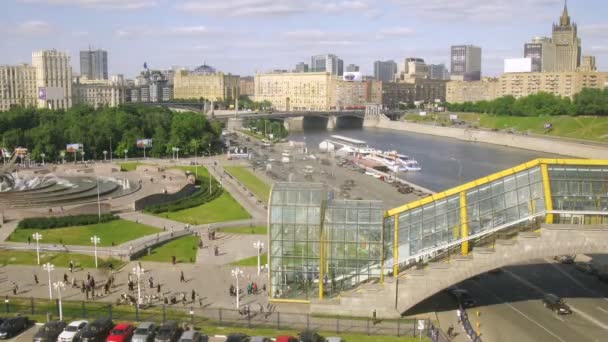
x=567 y=44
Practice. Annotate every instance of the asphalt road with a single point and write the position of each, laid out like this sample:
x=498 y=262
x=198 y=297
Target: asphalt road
x=510 y=306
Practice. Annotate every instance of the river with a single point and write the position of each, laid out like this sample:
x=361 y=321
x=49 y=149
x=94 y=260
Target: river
x=440 y=158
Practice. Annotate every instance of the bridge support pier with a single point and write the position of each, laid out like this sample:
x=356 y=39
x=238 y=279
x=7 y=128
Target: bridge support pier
x=294 y=124
x=234 y=124
x=373 y=114
x=332 y=121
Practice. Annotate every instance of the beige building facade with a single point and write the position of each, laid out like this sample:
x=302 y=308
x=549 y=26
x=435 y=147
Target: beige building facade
x=215 y=86
x=247 y=86
x=17 y=86
x=97 y=93
x=484 y=90
x=53 y=79
x=295 y=91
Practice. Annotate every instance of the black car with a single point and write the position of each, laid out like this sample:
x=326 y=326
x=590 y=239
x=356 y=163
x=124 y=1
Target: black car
x=49 y=332
x=565 y=259
x=12 y=327
x=463 y=297
x=554 y=303
x=96 y=331
x=238 y=337
x=168 y=332
x=310 y=336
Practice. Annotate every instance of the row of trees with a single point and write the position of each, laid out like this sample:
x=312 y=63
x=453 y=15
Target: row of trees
x=267 y=126
x=587 y=102
x=104 y=129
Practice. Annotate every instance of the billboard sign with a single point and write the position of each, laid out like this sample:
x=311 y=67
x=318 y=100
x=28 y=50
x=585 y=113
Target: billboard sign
x=50 y=93
x=352 y=76
x=518 y=65
x=20 y=151
x=144 y=143
x=72 y=148
x=41 y=93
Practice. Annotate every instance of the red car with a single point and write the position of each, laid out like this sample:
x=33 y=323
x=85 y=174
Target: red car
x=284 y=338
x=121 y=333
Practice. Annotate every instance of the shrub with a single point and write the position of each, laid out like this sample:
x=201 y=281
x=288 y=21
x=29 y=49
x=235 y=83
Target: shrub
x=64 y=221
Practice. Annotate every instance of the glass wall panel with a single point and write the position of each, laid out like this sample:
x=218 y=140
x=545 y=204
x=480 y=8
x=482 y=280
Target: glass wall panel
x=581 y=188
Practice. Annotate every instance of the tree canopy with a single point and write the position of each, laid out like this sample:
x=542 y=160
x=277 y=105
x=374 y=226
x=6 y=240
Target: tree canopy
x=587 y=102
x=47 y=131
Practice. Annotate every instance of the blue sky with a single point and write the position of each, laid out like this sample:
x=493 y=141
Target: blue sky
x=245 y=36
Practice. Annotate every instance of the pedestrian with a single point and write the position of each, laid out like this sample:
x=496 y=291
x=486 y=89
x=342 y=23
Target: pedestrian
x=71 y=266
x=173 y=260
x=29 y=240
x=36 y=278
x=65 y=278
x=217 y=251
x=181 y=277
x=15 y=288
x=82 y=287
x=193 y=295
x=88 y=276
x=158 y=287
x=151 y=282
x=73 y=282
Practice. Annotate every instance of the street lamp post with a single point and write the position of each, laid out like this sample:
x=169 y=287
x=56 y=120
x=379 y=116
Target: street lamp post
x=98 y=201
x=237 y=272
x=59 y=286
x=48 y=267
x=258 y=245
x=105 y=153
x=177 y=154
x=126 y=151
x=95 y=240
x=42 y=155
x=37 y=237
x=208 y=170
x=82 y=155
x=62 y=154
x=138 y=272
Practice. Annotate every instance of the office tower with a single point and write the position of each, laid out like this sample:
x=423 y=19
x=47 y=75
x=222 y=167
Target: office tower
x=53 y=79
x=94 y=64
x=301 y=67
x=567 y=44
x=385 y=70
x=352 y=68
x=438 y=72
x=327 y=63
x=17 y=86
x=542 y=52
x=588 y=64
x=466 y=63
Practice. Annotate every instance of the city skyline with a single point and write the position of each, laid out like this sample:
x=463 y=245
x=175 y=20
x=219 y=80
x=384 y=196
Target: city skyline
x=245 y=36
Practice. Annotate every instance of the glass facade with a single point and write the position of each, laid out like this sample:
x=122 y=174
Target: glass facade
x=317 y=242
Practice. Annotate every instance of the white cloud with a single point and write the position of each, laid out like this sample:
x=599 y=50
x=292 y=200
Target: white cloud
x=271 y=7
x=34 y=27
x=395 y=32
x=174 y=32
x=189 y=30
x=594 y=30
x=108 y=4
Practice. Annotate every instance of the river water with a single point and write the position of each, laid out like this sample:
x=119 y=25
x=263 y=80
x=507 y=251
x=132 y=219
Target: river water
x=440 y=158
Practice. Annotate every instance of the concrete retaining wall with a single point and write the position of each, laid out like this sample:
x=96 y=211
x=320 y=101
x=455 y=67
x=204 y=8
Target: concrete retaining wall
x=155 y=199
x=555 y=146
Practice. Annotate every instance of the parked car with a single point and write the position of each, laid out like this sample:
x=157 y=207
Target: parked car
x=334 y=339
x=96 y=331
x=285 y=338
x=49 y=332
x=565 y=259
x=121 y=333
x=193 y=336
x=144 y=333
x=554 y=303
x=12 y=327
x=71 y=331
x=463 y=297
x=168 y=332
x=237 y=337
x=586 y=267
x=259 y=339
x=310 y=336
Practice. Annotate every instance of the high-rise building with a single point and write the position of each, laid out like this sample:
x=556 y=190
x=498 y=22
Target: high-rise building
x=542 y=52
x=438 y=72
x=17 y=86
x=327 y=63
x=94 y=64
x=567 y=44
x=385 y=70
x=53 y=79
x=466 y=63
x=588 y=64
x=301 y=67
x=412 y=69
x=352 y=68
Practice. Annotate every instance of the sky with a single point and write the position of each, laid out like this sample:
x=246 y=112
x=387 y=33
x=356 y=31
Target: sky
x=247 y=36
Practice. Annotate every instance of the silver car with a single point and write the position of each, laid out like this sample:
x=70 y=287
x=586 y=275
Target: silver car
x=144 y=333
x=193 y=336
x=334 y=339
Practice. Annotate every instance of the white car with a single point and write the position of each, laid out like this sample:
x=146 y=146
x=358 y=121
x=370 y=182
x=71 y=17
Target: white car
x=69 y=332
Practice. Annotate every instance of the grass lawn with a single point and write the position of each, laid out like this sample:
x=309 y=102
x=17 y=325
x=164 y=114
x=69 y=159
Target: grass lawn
x=577 y=127
x=223 y=208
x=260 y=189
x=117 y=231
x=201 y=170
x=259 y=230
x=130 y=166
x=253 y=261
x=10 y=257
x=183 y=248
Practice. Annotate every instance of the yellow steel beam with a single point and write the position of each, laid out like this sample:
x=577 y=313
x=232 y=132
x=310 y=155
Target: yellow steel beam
x=464 y=226
x=321 y=262
x=296 y=301
x=396 y=246
x=547 y=192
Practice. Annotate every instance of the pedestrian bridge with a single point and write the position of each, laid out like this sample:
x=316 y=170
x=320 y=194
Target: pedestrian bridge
x=567 y=197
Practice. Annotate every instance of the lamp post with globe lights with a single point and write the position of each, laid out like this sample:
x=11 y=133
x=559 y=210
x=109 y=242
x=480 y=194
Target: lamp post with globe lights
x=59 y=286
x=95 y=240
x=42 y=155
x=236 y=273
x=258 y=245
x=126 y=151
x=105 y=153
x=48 y=267
x=139 y=271
x=37 y=237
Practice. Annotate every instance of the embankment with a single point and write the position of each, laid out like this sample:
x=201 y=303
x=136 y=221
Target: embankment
x=564 y=147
